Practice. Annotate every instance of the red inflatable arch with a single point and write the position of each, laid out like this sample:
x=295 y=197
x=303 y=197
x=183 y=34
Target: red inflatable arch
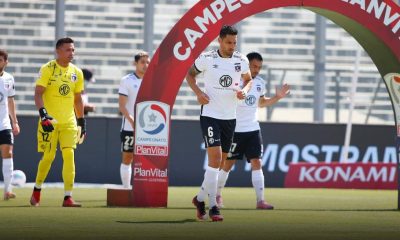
x=375 y=24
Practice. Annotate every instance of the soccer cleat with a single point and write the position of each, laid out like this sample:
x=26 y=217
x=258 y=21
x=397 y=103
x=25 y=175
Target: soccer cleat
x=9 y=195
x=220 y=202
x=69 y=202
x=215 y=215
x=35 y=199
x=263 y=205
x=201 y=209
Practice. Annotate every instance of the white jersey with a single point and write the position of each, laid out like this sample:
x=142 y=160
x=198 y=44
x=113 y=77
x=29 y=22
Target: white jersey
x=246 y=119
x=129 y=87
x=7 y=89
x=221 y=80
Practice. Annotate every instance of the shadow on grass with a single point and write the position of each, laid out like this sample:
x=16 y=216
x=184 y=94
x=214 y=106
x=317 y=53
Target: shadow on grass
x=298 y=209
x=161 y=222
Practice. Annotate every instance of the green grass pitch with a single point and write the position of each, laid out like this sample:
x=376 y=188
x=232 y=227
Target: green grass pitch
x=299 y=214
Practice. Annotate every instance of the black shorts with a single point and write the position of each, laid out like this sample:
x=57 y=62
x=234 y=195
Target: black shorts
x=217 y=132
x=126 y=141
x=6 y=137
x=247 y=144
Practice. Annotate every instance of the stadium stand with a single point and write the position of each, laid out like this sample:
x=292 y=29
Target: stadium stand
x=108 y=32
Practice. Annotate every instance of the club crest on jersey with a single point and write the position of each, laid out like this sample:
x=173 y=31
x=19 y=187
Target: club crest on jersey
x=7 y=85
x=73 y=77
x=238 y=68
x=225 y=81
x=258 y=89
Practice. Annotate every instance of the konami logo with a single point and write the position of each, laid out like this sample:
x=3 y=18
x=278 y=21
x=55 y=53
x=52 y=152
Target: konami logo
x=341 y=175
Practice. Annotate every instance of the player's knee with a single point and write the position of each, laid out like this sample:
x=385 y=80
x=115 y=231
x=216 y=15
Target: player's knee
x=68 y=154
x=48 y=157
x=255 y=164
x=127 y=158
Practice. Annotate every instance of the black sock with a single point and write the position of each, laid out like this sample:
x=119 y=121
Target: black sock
x=66 y=197
x=37 y=189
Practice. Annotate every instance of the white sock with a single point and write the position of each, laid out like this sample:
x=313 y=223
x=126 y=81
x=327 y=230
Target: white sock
x=211 y=182
x=201 y=196
x=68 y=193
x=209 y=186
x=222 y=178
x=257 y=178
x=126 y=174
x=8 y=167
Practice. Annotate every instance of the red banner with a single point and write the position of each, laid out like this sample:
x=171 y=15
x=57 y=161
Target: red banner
x=341 y=175
x=201 y=25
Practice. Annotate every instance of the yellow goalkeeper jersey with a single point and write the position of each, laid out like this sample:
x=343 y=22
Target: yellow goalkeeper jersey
x=61 y=85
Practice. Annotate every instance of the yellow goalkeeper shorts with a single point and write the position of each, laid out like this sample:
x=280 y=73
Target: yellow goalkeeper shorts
x=64 y=134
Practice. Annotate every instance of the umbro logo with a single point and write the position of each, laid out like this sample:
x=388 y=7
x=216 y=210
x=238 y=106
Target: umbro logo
x=215 y=66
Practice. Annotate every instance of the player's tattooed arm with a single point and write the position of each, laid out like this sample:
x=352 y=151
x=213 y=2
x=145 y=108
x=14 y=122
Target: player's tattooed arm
x=202 y=98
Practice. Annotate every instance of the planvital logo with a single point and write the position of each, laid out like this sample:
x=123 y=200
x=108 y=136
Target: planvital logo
x=152 y=119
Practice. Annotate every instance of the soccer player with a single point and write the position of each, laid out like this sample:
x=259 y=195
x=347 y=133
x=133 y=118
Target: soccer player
x=128 y=91
x=7 y=129
x=247 y=140
x=222 y=69
x=58 y=93
x=89 y=78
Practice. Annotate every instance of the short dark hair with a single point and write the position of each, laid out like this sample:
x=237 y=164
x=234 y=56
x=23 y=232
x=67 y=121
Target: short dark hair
x=227 y=30
x=61 y=41
x=140 y=54
x=4 y=54
x=254 y=55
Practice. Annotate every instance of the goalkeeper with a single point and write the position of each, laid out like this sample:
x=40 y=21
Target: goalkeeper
x=58 y=93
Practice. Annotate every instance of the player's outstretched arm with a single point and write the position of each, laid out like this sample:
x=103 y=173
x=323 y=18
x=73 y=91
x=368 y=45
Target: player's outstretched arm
x=280 y=93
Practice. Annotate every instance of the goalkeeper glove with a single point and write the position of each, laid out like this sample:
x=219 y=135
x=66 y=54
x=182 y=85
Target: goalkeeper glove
x=81 y=122
x=45 y=120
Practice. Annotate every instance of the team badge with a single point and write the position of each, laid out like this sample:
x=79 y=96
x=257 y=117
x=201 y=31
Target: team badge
x=73 y=77
x=7 y=85
x=258 y=89
x=238 y=68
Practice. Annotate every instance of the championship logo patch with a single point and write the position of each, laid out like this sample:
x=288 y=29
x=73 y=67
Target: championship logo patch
x=73 y=77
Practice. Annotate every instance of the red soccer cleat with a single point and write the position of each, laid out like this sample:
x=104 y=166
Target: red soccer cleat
x=9 y=195
x=215 y=215
x=201 y=209
x=263 y=205
x=69 y=202
x=35 y=199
